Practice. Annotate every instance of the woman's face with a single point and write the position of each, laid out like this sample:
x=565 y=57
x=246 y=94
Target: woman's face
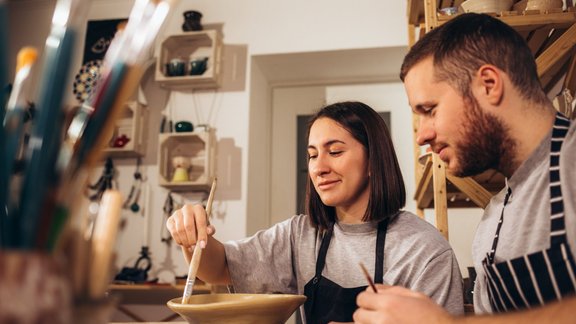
x=338 y=167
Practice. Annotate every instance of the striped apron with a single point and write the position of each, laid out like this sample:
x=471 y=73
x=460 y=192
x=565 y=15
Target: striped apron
x=544 y=276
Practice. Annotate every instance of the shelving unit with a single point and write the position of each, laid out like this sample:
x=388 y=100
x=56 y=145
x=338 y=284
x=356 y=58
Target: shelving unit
x=133 y=125
x=552 y=37
x=189 y=46
x=199 y=147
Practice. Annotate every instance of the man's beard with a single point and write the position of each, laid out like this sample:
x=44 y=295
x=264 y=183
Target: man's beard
x=485 y=143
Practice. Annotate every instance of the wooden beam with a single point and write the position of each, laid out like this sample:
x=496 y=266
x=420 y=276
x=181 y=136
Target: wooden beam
x=422 y=196
x=440 y=198
x=570 y=81
x=556 y=51
x=472 y=189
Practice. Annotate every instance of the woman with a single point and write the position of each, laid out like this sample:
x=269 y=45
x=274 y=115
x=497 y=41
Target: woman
x=354 y=198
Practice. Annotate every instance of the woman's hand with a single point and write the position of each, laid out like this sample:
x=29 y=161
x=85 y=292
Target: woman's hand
x=189 y=225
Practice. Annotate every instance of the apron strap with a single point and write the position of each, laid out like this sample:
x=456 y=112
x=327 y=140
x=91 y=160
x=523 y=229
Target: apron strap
x=557 y=224
x=492 y=252
x=321 y=260
x=380 y=241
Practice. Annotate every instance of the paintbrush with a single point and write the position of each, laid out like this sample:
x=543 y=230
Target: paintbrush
x=89 y=132
x=11 y=135
x=103 y=241
x=195 y=259
x=3 y=55
x=370 y=281
x=42 y=152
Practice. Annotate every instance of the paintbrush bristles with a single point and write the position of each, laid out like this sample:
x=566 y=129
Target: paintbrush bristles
x=26 y=57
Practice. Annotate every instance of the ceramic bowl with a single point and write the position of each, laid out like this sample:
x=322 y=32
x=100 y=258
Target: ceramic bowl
x=544 y=4
x=237 y=308
x=520 y=5
x=486 y=6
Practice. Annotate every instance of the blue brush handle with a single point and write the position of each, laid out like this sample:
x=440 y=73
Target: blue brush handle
x=3 y=58
x=45 y=141
x=4 y=186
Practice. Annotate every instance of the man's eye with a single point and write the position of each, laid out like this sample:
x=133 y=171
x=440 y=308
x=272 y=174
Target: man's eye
x=428 y=109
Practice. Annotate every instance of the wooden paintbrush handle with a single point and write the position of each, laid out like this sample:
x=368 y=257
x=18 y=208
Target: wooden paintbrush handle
x=103 y=241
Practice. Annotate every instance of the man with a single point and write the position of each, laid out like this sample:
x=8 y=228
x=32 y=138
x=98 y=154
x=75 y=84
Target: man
x=474 y=84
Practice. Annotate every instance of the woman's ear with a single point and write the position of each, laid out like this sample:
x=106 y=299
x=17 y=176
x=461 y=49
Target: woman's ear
x=489 y=84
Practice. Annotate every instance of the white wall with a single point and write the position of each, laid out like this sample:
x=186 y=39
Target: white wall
x=256 y=27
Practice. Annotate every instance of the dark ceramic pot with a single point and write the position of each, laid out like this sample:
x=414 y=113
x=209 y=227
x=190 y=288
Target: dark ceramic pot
x=184 y=126
x=198 y=66
x=192 y=21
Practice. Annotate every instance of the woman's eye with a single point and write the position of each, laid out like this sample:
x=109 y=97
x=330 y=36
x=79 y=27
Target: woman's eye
x=311 y=156
x=335 y=153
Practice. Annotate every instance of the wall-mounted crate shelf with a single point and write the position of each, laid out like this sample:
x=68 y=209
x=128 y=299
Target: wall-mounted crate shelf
x=199 y=147
x=189 y=46
x=133 y=125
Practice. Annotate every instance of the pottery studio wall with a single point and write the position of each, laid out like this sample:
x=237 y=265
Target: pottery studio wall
x=240 y=109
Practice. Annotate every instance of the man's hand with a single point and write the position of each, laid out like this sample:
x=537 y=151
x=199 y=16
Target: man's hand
x=394 y=304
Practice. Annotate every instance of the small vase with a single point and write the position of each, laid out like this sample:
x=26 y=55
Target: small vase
x=192 y=21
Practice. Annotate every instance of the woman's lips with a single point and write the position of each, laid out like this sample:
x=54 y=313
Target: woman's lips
x=325 y=185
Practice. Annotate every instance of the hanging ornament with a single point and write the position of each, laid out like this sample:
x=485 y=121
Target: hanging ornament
x=168 y=209
x=131 y=201
x=104 y=182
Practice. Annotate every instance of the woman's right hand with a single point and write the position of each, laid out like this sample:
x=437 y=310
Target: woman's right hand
x=189 y=225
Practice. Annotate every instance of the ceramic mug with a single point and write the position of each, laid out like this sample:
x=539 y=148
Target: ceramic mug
x=198 y=66
x=176 y=67
x=183 y=126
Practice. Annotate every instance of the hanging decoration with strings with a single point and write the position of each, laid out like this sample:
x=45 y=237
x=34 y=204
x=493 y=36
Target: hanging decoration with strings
x=104 y=182
x=168 y=209
x=131 y=201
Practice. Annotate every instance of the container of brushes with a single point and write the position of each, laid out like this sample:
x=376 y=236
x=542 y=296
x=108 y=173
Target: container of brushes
x=34 y=288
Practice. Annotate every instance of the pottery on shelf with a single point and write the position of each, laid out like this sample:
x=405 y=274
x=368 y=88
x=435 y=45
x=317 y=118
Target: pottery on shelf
x=198 y=66
x=181 y=166
x=192 y=21
x=176 y=67
x=183 y=126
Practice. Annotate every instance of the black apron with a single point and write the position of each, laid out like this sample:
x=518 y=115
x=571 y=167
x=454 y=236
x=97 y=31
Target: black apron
x=544 y=276
x=327 y=301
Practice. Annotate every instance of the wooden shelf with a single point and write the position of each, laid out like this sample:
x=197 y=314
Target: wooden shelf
x=200 y=148
x=460 y=192
x=133 y=124
x=188 y=46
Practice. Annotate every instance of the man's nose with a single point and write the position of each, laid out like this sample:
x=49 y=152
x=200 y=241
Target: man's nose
x=425 y=132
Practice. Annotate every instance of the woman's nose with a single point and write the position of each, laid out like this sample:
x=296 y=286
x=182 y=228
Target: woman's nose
x=318 y=166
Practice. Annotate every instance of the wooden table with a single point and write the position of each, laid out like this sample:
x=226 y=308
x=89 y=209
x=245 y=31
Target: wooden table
x=150 y=294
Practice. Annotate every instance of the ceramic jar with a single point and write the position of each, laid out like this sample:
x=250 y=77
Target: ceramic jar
x=192 y=21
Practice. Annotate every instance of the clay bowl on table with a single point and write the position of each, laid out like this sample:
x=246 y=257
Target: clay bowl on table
x=237 y=308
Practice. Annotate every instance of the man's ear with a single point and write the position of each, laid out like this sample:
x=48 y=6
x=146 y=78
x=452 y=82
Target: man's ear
x=489 y=84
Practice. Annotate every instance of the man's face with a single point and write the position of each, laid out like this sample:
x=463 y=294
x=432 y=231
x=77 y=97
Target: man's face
x=465 y=136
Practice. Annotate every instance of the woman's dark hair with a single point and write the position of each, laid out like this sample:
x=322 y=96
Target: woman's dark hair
x=387 y=193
